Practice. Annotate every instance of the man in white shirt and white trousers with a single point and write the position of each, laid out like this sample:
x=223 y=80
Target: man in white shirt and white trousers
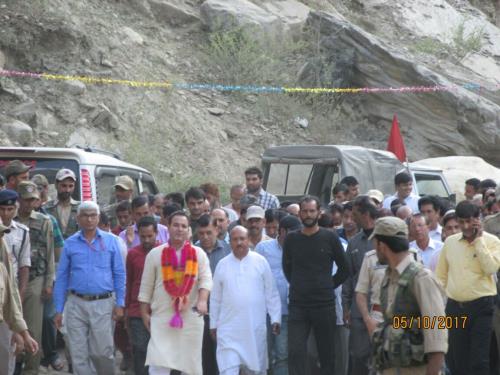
x=243 y=292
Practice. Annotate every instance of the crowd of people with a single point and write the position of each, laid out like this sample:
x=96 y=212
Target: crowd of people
x=181 y=284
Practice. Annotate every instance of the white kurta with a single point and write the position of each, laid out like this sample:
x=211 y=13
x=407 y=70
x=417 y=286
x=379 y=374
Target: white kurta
x=243 y=292
x=173 y=348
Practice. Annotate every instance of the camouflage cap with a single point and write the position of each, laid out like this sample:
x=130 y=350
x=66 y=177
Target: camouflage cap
x=15 y=167
x=124 y=182
x=390 y=226
x=27 y=190
x=248 y=200
x=40 y=180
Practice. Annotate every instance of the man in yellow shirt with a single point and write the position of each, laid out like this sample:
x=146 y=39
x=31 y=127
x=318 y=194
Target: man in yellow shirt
x=466 y=269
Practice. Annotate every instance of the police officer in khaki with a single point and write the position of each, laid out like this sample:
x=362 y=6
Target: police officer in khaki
x=124 y=190
x=370 y=279
x=42 y=270
x=11 y=313
x=492 y=225
x=492 y=222
x=407 y=342
x=64 y=207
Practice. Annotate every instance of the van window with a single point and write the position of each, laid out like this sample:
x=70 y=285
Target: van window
x=148 y=187
x=48 y=167
x=289 y=179
x=105 y=181
x=430 y=185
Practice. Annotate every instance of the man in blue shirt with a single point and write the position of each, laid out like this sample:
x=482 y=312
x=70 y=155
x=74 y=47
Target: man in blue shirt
x=272 y=250
x=90 y=270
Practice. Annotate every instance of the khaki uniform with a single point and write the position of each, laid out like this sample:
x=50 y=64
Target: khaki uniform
x=42 y=275
x=369 y=281
x=492 y=224
x=11 y=316
x=110 y=211
x=69 y=225
x=430 y=299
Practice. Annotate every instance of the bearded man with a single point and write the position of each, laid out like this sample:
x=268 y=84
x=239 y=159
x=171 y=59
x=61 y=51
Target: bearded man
x=308 y=257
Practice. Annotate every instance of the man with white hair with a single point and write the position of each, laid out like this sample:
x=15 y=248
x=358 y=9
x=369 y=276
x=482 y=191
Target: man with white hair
x=90 y=270
x=244 y=291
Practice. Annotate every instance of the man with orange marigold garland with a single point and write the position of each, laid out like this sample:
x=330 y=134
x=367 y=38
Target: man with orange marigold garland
x=174 y=291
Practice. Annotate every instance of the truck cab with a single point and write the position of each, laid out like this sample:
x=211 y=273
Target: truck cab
x=292 y=171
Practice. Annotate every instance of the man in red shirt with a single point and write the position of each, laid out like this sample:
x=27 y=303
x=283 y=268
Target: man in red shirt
x=139 y=335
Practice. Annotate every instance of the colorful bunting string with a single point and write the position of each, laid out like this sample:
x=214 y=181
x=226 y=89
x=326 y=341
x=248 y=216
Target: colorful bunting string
x=246 y=88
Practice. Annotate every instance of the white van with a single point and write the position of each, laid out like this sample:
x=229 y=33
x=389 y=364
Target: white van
x=96 y=170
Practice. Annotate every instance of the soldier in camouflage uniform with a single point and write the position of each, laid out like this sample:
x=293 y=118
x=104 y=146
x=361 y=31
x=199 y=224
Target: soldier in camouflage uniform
x=64 y=207
x=42 y=270
x=124 y=190
x=406 y=342
x=49 y=331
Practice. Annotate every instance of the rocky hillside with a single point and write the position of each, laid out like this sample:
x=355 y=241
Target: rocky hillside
x=186 y=134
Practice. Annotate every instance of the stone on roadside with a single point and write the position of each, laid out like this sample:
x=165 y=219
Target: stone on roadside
x=25 y=112
x=16 y=130
x=131 y=36
x=45 y=120
x=216 y=111
x=4 y=139
x=74 y=87
x=301 y=122
x=292 y=14
x=173 y=12
x=105 y=119
x=9 y=87
x=229 y=14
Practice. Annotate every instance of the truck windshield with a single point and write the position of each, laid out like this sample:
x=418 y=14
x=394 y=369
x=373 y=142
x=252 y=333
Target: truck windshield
x=430 y=185
x=289 y=179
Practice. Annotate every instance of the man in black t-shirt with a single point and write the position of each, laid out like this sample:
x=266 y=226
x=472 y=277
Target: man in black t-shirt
x=308 y=257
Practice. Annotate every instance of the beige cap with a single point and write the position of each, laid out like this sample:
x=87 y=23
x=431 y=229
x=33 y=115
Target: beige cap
x=15 y=167
x=376 y=194
x=27 y=190
x=390 y=226
x=40 y=180
x=255 y=212
x=65 y=173
x=125 y=182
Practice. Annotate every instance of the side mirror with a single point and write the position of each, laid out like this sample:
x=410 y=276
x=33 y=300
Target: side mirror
x=453 y=198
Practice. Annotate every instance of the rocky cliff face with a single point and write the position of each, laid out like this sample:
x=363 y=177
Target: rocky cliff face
x=185 y=135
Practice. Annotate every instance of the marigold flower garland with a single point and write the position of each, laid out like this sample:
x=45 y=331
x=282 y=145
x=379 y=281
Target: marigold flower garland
x=179 y=289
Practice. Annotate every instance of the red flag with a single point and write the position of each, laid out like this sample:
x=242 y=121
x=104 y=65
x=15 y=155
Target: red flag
x=396 y=144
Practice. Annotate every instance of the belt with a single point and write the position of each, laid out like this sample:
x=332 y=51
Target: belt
x=377 y=308
x=469 y=303
x=92 y=297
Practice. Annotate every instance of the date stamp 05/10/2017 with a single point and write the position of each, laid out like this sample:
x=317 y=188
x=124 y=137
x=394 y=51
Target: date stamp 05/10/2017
x=429 y=322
